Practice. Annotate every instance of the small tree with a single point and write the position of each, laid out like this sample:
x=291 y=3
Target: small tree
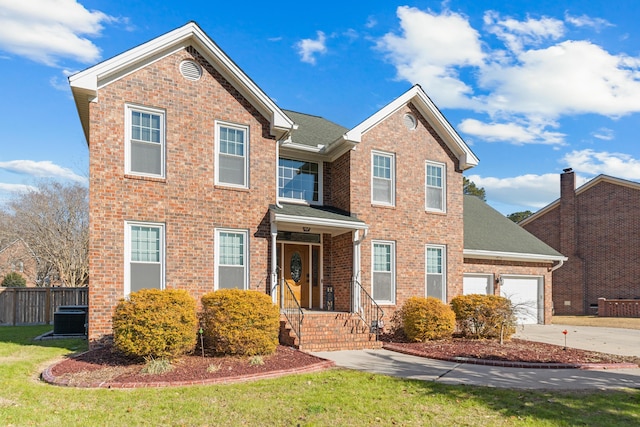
x=14 y=280
x=469 y=187
x=519 y=216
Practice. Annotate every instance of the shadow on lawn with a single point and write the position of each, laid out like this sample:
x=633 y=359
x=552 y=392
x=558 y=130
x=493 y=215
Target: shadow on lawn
x=575 y=407
x=24 y=335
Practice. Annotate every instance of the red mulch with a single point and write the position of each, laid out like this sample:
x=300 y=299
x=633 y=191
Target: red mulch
x=103 y=366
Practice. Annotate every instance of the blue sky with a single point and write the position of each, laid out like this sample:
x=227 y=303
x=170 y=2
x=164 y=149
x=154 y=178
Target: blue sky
x=532 y=86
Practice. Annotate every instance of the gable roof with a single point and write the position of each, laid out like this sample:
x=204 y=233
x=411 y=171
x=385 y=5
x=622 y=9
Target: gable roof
x=85 y=84
x=489 y=234
x=588 y=185
x=313 y=133
x=431 y=113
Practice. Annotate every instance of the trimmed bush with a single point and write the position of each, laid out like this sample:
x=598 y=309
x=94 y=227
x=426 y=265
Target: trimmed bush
x=156 y=324
x=427 y=319
x=14 y=280
x=237 y=322
x=484 y=316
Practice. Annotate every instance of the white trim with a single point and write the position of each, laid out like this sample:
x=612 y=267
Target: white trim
x=488 y=276
x=127 y=252
x=247 y=147
x=245 y=254
x=392 y=245
x=443 y=189
x=443 y=248
x=392 y=158
x=511 y=256
x=418 y=98
x=128 y=111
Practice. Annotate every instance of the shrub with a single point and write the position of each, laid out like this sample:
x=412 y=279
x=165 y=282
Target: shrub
x=237 y=322
x=484 y=316
x=427 y=319
x=14 y=280
x=155 y=324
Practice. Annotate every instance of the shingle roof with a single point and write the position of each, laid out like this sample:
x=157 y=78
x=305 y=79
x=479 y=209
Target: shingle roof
x=320 y=212
x=487 y=230
x=314 y=130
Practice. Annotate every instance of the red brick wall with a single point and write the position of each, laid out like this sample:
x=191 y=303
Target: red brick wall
x=604 y=263
x=408 y=224
x=498 y=268
x=618 y=307
x=187 y=201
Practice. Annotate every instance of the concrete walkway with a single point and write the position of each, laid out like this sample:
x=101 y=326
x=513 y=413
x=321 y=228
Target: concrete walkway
x=606 y=340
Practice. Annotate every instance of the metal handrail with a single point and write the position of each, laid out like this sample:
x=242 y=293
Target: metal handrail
x=290 y=307
x=369 y=311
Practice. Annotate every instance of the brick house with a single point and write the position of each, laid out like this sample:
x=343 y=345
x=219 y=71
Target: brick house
x=19 y=258
x=198 y=180
x=597 y=227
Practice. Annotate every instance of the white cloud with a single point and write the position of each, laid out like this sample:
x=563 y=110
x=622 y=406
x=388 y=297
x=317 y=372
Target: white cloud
x=41 y=169
x=591 y=162
x=537 y=76
x=586 y=21
x=46 y=31
x=430 y=50
x=528 y=191
x=309 y=48
x=513 y=132
x=15 y=188
x=604 y=134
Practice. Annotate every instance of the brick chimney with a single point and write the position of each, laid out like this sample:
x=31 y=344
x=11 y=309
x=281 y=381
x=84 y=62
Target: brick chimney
x=568 y=219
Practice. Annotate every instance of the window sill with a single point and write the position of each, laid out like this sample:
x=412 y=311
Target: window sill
x=145 y=178
x=232 y=188
x=377 y=205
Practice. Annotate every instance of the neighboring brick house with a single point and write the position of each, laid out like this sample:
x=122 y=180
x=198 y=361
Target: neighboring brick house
x=198 y=180
x=502 y=258
x=18 y=257
x=598 y=228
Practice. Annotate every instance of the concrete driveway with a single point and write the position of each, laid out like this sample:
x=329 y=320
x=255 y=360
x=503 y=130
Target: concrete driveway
x=625 y=342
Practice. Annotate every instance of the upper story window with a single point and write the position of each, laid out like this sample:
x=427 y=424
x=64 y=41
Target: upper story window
x=383 y=178
x=145 y=141
x=144 y=256
x=299 y=180
x=435 y=187
x=232 y=148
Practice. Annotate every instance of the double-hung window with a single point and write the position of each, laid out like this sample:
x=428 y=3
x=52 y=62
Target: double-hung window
x=232 y=152
x=144 y=258
x=436 y=267
x=435 y=187
x=145 y=141
x=299 y=180
x=382 y=178
x=231 y=259
x=383 y=276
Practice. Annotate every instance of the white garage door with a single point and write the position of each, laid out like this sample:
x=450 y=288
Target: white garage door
x=477 y=284
x=526 y=294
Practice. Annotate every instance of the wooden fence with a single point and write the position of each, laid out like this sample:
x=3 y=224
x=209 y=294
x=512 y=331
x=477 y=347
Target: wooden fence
x=35 y=306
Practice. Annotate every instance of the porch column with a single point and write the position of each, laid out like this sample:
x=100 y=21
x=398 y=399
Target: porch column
x=355 y=293
x=274 y=262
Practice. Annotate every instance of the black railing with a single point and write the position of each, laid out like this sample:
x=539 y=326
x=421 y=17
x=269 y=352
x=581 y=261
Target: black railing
x=290 y=307
x=368 y=310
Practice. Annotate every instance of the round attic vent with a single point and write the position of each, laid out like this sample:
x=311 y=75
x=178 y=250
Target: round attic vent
x=410 y=121
x=190 y=70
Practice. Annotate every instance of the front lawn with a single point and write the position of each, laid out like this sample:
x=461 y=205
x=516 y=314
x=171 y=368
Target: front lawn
x=332 y=398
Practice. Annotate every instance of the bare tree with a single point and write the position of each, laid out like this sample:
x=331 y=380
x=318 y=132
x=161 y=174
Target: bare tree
x=53 y=220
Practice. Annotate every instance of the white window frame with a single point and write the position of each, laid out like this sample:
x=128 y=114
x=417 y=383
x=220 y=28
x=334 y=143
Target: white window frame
x=245 y=129
x=392 y=245
x=443 y=188
x=129 y=109
x=443 y=274
x=245 y=255
x=127 y=252
x=320 y=183
x=392 y=179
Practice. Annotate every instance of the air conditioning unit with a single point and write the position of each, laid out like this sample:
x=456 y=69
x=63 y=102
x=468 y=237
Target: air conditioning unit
x=69 y=322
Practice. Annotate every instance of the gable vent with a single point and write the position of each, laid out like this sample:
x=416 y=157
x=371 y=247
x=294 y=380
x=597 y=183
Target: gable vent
x=190 y=70
x=409 y=121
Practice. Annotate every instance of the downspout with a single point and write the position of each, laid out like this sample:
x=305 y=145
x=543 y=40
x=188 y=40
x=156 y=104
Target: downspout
x=357 y=240
x=557 y=266
x=274 y=262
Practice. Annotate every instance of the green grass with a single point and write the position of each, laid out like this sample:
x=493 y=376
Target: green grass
x=331 y=398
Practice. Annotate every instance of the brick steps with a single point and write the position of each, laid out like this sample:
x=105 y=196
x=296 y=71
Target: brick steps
x=329 y=332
